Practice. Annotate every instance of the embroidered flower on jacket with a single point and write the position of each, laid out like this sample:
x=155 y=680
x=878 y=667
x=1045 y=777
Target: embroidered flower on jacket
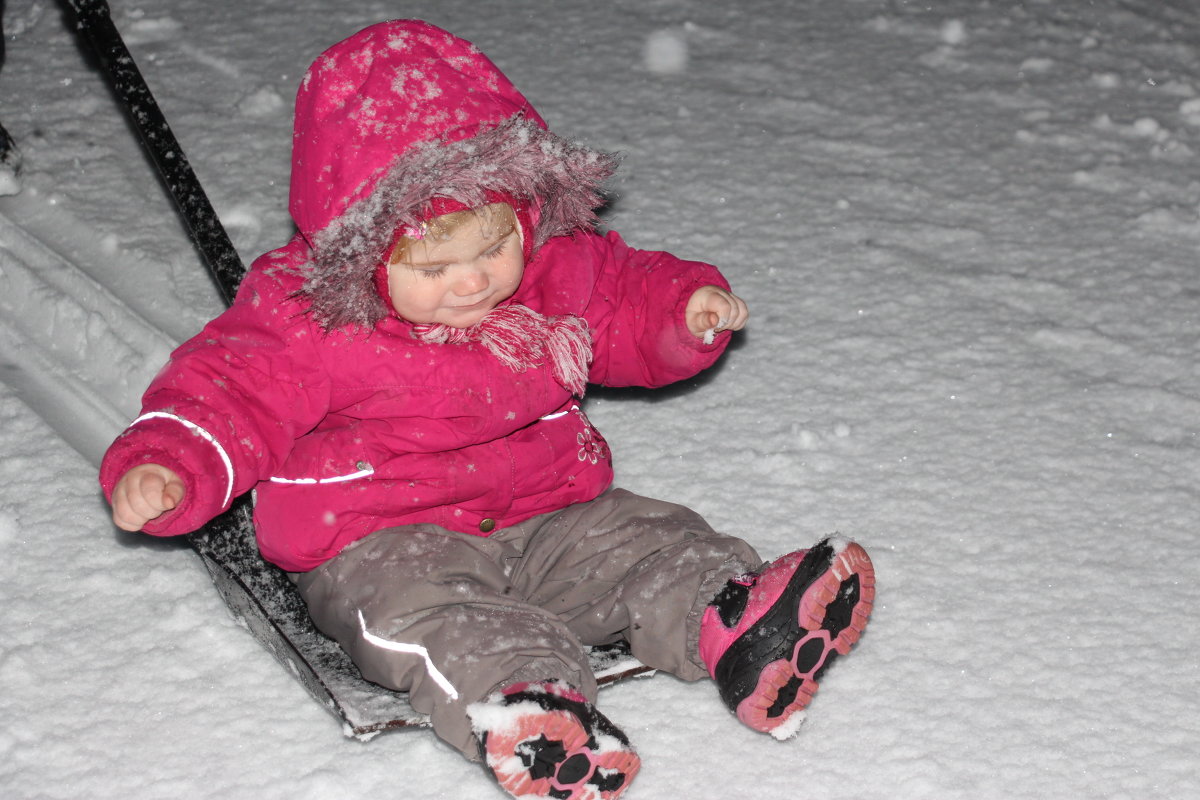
x=592 y=446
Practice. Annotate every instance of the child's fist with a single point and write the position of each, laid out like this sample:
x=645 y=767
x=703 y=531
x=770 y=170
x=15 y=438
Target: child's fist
x=712 y=309
x=144 y=493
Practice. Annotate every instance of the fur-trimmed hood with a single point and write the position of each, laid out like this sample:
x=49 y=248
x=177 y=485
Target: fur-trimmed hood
x=396 y=115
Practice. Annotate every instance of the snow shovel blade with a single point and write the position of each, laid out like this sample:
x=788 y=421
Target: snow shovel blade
x=263 y=599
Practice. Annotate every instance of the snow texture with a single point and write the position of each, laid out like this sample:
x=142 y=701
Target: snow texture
x=968 y=235
x=9 y=182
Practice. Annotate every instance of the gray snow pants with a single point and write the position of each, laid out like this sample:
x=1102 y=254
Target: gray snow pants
x=451 y=617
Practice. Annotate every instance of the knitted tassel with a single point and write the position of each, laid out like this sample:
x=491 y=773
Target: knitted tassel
x=522 y=338
x=569 y=346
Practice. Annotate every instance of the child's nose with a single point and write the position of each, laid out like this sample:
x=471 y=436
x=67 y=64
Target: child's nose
x=470 y=281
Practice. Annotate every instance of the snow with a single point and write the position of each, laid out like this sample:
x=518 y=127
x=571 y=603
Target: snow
x=666 y=51
x=968 y=234
x=9 y=182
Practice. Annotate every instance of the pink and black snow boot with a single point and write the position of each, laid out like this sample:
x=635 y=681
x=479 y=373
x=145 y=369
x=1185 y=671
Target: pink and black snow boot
x=547 y=740
x=768 y=637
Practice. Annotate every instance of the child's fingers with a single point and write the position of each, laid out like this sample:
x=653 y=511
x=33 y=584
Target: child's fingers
x=144 y=494
x=700 y=321
x=729 y=312
x=126 y=515
x=713 y=309
x=739 y=314
x=139 y=509
x=172 y=495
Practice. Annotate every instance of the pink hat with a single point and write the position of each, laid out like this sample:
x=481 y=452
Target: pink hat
x=400 y=123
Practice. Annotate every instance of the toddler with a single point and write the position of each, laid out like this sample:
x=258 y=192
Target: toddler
x=401 y=384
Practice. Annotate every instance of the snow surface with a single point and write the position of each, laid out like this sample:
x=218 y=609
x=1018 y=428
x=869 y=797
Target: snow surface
x=968 y=233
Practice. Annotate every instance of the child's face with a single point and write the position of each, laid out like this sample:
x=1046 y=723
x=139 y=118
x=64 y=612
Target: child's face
x=456 y=278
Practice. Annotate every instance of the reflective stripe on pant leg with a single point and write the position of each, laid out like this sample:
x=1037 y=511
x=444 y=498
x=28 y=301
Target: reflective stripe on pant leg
x=431 y=612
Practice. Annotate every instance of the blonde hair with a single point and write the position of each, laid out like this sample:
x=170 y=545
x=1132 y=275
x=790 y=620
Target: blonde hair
x=497 y=218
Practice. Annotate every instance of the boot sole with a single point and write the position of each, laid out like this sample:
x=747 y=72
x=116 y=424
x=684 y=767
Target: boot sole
x=555 y=754
x=772 y=670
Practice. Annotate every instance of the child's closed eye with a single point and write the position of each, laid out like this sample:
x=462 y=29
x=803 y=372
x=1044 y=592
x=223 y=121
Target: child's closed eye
x=496 y=249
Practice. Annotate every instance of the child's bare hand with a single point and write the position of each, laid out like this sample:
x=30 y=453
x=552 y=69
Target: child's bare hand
x=144 y=493
x=712 y=309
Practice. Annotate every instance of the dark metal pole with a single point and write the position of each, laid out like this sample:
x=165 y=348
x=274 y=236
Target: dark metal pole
x=209 y=236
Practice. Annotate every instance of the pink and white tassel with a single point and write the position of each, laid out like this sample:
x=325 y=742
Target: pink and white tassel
x=522 y=338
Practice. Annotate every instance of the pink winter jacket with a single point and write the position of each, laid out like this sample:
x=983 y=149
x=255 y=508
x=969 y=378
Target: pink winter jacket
x=343 y=431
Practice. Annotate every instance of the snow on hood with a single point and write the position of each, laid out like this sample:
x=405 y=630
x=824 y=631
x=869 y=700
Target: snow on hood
x=398 y=114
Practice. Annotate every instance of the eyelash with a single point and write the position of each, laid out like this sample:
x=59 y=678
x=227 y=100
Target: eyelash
x=493 y=252
x=497 y=249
